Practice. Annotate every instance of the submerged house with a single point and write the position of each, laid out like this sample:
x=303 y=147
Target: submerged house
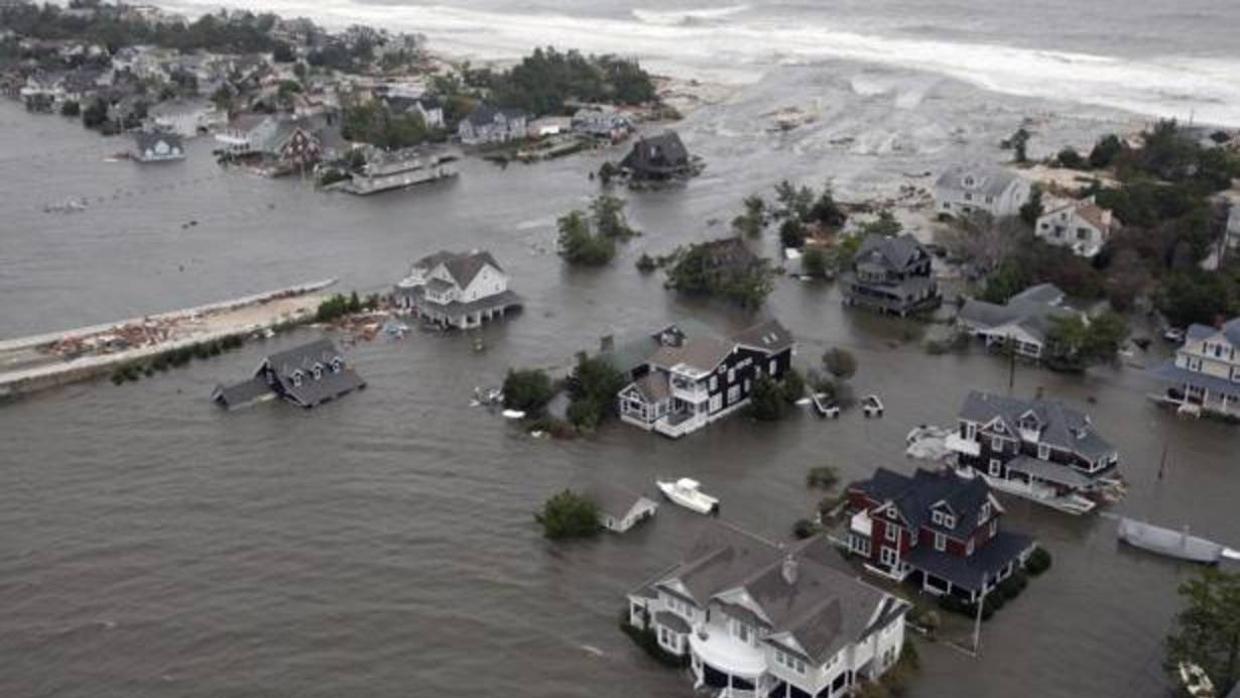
x=938 y=531
x=620 y=508
x=1038 y=449
x=157 y=147
x=1205 y=372
x=891 y=274
x=971 y=188
x=457 y=290
x=655 y=158
x=396 y=169
x=487 y=125
x=306 y=376
x=684 y=376
x=759 y=619
x=1023 y=323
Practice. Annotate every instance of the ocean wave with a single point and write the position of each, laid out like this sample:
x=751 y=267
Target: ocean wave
x=687 y=17
x=743 y=49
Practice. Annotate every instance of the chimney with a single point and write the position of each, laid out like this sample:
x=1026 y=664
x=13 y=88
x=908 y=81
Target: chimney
x=606 y=343
x=789 y=570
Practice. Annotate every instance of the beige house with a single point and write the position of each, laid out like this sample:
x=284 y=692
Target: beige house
x=1205 y=373
x=1081 y=226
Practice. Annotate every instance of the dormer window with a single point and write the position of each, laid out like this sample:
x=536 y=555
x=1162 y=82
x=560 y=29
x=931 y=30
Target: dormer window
x=317 y=371
x=297 y=376
x=337 y=364
x=949 y=521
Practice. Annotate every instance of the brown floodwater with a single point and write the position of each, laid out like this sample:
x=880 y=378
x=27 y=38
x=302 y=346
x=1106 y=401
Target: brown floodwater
x=383 y=544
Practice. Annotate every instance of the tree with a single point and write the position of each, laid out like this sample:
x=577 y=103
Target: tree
x=1074 y=343
x=825 y=211
x=70 y=108
x=95 y=114
x=702 y=269
x=753 y=220
x=608 y=214
x=528 y=390
x=1018 y=142
x=792 y=233
x=814 y=262
x=1032 y=210
x=1194 y=297
x=1069 y=158
x=822 y=477
x=593 y=387
x=885 y=225
x=839 y=363
x=1106 y=151
x=1207 y=631
x=794 y=202
x=569 y=515
x=579 y=246
x=766 y=400
x=283 y=53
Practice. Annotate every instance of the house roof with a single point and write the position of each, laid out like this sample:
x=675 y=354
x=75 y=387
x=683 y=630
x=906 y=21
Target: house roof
x=701 y=352
x=150 y=139
x=769 y=336
x=303 y=357
x=969 y=572
x=314 y=391
x=612 y=499
x=672 y=622
x=1061 y=426
x=815 y=610
x=1033 y=310
x=660 y=154
x=917 y=496
x=1089 y=211
x=484 y=114
x=653 y=386
x=239 y=394
x=986 y=180
x=1168 y=372
x=890 y=252
x=465 y=267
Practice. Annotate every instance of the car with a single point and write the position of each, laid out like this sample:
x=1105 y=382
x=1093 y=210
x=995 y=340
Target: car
x=871 y=406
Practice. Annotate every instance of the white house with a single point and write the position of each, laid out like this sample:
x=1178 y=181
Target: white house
x=247 y=133
x=488 y=124
x=1081 y=226
x=187 y=118
x=1023 y=323
x=761 y=620
x=972 y=187
x=157 y=147
x=456 y=290
x=1232 y=237
x=620 y=509
x=1205 y=372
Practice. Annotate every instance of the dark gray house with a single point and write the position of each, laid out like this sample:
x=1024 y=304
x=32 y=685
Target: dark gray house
x=488 y=124
x=1039 y=449
x=658 y=157
x=1023 y=323
x=306 y=376
x=891 y=275
x=156 y=146
x=685 y=376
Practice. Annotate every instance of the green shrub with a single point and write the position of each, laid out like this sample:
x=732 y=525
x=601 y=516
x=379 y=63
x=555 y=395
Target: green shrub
x=1011 y=587
x=527 y=390
x=569 y=515
x=1039 y=561
x=804 y=528
x=823 y=477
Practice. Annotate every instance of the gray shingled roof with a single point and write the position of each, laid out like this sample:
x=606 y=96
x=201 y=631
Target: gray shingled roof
x=895 y=253
x=769 y=336
x=916 y=496
x=464 y=267
x=988 y=180
x=240 y=394
x=703 y=353
x=303 y=357
x=653 y=386
x=1062 y=427
x=315 y=391
x=968 y=572
x=1034 y=310
x=822 y=608
x=672 y=622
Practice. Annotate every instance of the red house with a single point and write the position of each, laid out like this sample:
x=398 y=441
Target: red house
x=939 y=531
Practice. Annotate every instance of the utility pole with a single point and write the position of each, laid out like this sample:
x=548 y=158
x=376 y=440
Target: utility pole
x=977 y=622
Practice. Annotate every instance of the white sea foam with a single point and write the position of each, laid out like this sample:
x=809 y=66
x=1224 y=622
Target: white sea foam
x=743 y=48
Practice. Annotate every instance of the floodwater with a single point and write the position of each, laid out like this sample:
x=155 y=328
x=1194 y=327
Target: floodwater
x=383 y=545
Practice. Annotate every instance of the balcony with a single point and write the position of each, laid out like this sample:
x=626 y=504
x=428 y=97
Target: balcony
x=680 y=423
x=959 y=444
x=691 y=391
x=714 y=645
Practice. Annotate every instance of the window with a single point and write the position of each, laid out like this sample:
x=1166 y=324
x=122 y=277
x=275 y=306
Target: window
x=949 y=521
x=970 y=431
x=996 y=444
x=940 y=542
x=968 y=549
x=741 y=631
x=994 y=527
x=714 y=383
x=891 y=533
x=1044 y=452
x=774 y=364
x=890 y=557
x=937 y=517
x=996 y=467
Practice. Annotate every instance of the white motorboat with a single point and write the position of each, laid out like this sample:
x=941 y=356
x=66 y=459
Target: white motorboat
x=513 y=414
x=1164 y=541
x=685 y=492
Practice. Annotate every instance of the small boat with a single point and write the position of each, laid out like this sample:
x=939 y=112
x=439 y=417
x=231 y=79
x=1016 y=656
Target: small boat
x=685 y=492
x=513 y=414
x=1164 y=541
x=872 y=406
x=1174 y=335
x=825 y=406
x=1195 y=681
